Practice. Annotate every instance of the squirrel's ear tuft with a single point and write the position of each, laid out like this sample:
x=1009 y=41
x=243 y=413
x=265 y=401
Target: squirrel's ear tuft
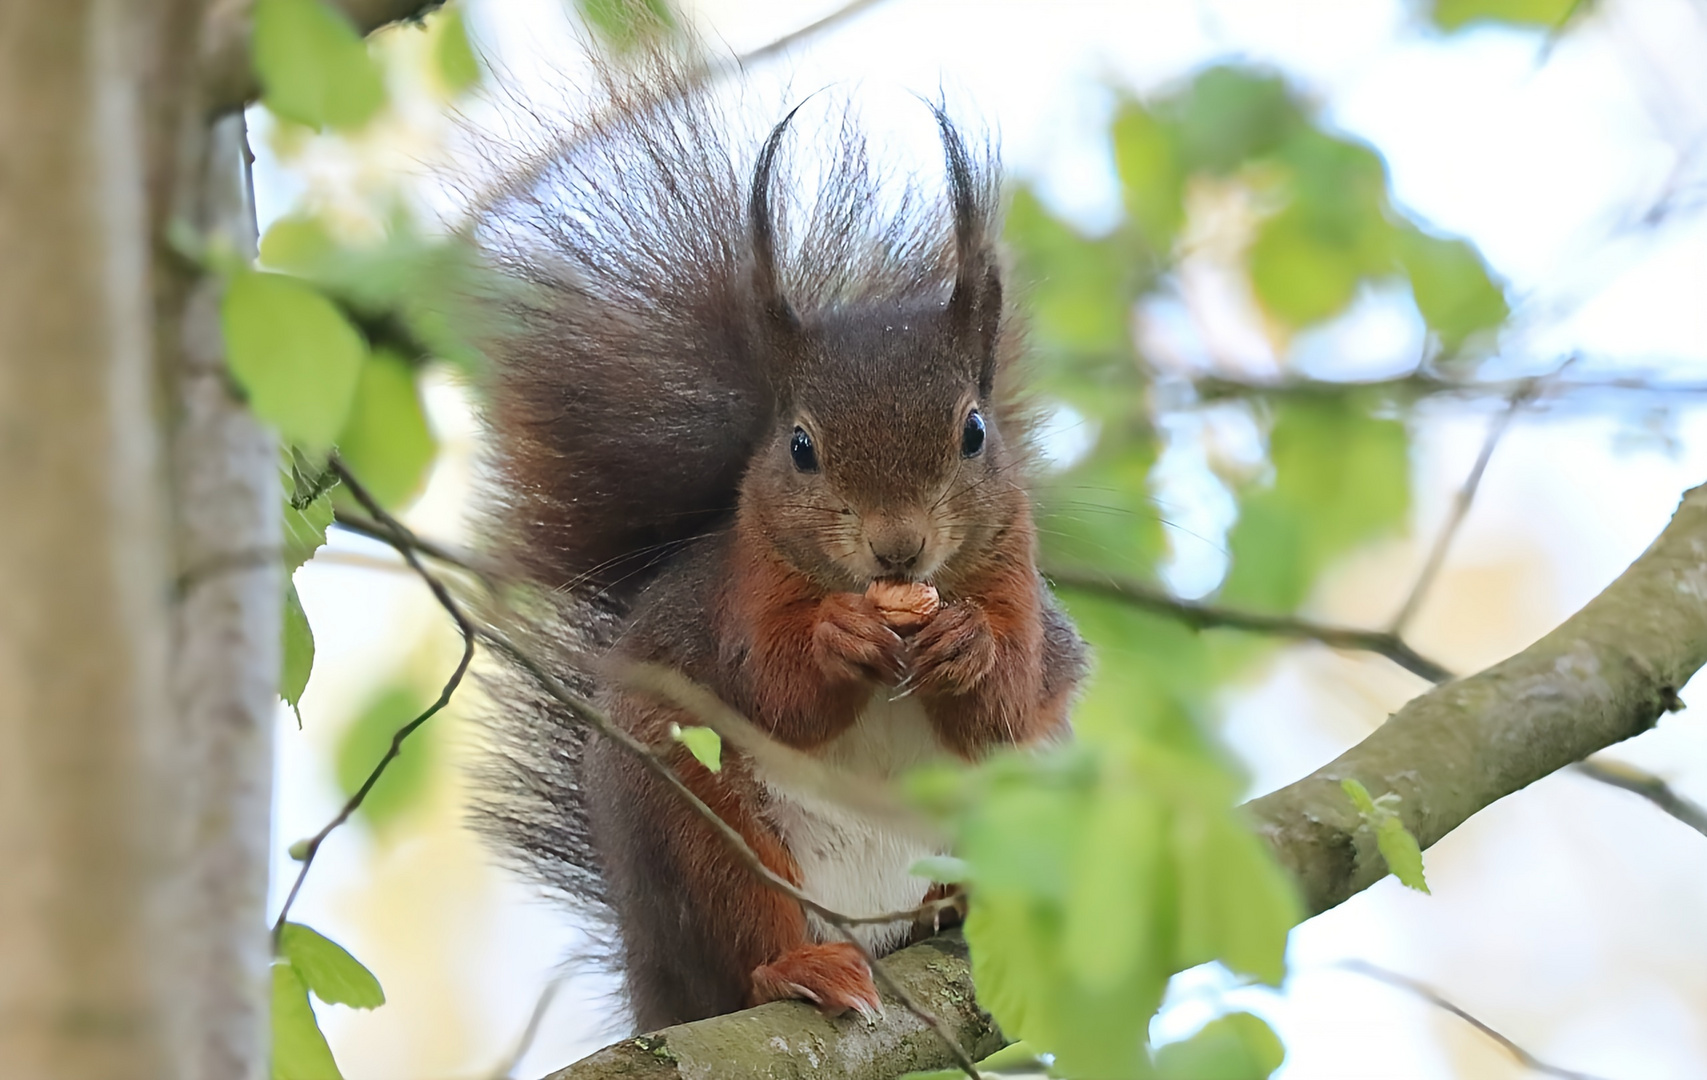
x=762 y=232
x=975 y=305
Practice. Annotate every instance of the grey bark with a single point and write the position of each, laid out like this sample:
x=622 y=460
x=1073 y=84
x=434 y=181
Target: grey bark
x=790 y=1040
x=225 y=663
x=1606 y=674
x=137 y=656
x=85 y=730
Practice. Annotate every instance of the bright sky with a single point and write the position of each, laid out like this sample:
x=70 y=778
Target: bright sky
x=1568 y=915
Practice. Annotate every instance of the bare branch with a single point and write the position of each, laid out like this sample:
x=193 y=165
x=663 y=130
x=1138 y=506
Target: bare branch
x=1207 y=616
x=833 y=19
x=463 y=625
x=1650 y=787
x=789 y=1038
x=1460 y=509
x=1433 y=997
x=1603 y=676
x=506 y=1071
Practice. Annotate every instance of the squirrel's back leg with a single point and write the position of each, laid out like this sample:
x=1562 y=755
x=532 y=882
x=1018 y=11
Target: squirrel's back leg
x=702 y=935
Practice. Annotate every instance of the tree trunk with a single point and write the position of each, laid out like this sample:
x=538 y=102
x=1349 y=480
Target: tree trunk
x=138 y=631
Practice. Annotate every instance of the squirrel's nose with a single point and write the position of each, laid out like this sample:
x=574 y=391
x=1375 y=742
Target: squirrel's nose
x=897 y=551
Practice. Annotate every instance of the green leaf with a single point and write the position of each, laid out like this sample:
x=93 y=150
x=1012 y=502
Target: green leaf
x=365 y=742
x=298 y=649
x=1403 y=854
x=1146 y=157
x=299 y=1049
x=1229 y=115
x=1298 y=275
x=943 y=869
x=1238 y=1046
x=327 y=968
x=1017 y=1058
x=305 y=531
x=298 y=850
x=458 y=65
x=295 y=355
x=1454 y=290
x=386 y=442
x=1341 y=478
x=1398 y=847
x=702 y=742
x=313 y=66
x=1547 y=14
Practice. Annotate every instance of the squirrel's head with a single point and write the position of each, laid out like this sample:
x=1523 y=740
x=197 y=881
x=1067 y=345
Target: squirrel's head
x=887 y=457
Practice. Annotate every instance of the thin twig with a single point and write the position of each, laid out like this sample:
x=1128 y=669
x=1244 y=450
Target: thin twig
x=400 y=537
x=1460 y=508
x=407 y=549
x=373 y=530
x=1650 y=787
x=507 y=1070
x=1433 y=997
x=1202 y=616
x=839 y=15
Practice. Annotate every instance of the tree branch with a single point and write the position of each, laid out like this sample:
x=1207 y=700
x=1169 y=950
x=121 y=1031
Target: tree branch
x=792 y=1039
x=1652 y=788
x=1207 y=616
x=1435 y=998
x=1603 y=676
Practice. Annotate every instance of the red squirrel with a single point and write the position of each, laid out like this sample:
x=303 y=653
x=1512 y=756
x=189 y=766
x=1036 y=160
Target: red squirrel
x=746 y=431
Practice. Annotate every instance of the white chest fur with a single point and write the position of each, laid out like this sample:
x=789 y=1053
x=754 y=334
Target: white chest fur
x=852 y=862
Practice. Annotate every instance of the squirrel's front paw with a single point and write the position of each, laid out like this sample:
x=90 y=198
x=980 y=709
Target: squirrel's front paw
x=954 y=651
x=852 y=640
x=833 y=977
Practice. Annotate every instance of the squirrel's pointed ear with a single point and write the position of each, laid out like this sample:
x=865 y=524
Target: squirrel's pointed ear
x=975 y=305
x=762 y=232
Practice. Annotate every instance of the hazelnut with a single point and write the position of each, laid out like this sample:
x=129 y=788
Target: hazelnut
x=906 y=605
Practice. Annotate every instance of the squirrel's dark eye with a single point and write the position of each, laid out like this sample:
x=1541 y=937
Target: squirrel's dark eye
x=972 y=435
x=800 y=448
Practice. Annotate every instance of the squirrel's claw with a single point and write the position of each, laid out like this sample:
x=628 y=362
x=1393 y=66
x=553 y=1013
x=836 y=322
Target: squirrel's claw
x=833 y=977
x=954 y=651
x=852 y=641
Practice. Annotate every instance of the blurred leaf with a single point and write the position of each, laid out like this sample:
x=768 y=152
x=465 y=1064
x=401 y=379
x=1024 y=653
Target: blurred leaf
x=1453 y=288
x=1079 y=290
x=298 y=850
x=421 y=294
x=386 y=442
x=1234 y=1047
x=1547 y=14
x=1398 y=847
x=294 y=354
x=457 y=63
x=298 y=661
x=327 y=968
x=313 y=66
x=1341 y=478
x=1146 y=158
x=703 y=743
x=1014 y=1058
x=622 y=25
x=1298 y=276
x=1228 y=115
x=366 y=741
x=944 y=869
x=1073 y=927
x=299 y=1050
